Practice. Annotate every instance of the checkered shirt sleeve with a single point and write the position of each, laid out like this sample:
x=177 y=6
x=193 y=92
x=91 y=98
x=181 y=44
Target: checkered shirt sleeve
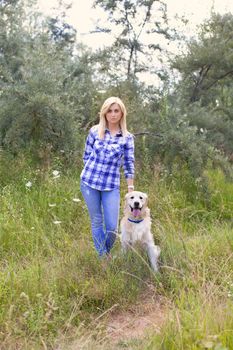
x=128 y=163
x=89 y=146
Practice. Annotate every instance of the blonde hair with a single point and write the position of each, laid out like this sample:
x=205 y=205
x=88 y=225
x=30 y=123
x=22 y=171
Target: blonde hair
x=103 y=122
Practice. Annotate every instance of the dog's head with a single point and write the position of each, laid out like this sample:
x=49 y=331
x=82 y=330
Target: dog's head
x=136 y=203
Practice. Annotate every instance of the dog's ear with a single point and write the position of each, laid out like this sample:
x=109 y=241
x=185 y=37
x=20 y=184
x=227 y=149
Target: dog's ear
x=146 y=198
x=127 y=194
x=126 y=207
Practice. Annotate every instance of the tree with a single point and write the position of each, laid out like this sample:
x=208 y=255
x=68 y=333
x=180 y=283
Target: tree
x=138 y=32
x=208 y=62
x=206 y=84
x=61 y=32
x=12 y=39
x=42 y=96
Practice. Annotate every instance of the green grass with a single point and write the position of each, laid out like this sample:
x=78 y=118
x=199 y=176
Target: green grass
x=52 y=285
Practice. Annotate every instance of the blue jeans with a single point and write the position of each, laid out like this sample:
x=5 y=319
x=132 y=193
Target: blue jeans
x=103 y=207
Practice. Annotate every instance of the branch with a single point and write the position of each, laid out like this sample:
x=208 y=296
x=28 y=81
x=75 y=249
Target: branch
x=202 y=74
x=140 y=133
x=217 y=79
x=98 y=30
x=148 y=15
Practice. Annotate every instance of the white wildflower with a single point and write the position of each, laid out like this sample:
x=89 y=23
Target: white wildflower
x=24 y=295
x=51 y=205
x=28 y=184
x=56 y=174
x=76 y=200
x=57 y=222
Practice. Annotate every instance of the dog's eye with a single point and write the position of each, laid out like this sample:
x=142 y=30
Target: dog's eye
x=132 y=197
x=140 y=197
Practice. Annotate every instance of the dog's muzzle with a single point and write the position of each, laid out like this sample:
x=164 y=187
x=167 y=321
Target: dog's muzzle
x=136 y=210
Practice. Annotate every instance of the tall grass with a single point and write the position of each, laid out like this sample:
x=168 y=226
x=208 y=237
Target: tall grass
x=53 y=286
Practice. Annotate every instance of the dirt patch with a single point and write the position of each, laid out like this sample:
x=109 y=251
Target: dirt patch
x=146 y=316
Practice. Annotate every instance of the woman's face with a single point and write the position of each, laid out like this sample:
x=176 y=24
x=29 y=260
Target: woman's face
x=114 y=114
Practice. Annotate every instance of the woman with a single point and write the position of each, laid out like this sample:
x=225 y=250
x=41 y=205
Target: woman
x=108 y=146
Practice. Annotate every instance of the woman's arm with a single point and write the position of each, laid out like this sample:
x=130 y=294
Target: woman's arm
x=88 y=146
x=130 y=185
x=128 y=164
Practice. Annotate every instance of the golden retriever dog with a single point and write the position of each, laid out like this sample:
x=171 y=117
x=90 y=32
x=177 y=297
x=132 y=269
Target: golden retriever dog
x=136 y=226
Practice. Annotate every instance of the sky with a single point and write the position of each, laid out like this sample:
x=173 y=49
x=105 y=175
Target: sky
x=83 y=17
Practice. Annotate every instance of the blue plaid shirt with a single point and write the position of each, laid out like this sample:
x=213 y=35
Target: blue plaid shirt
x=104 y=158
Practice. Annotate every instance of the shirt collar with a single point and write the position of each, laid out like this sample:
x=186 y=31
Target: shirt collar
x=119 y=133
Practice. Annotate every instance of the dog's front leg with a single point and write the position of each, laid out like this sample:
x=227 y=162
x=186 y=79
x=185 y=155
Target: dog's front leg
x=153 y=252
x=125 y=245
x=125 y=242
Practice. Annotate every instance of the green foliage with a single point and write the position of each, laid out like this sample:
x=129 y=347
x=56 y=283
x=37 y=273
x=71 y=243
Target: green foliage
x=11 y=38
x=168 y=143
x=208 y=62
x=37 y=110
x=42 y=97
x=206 y=70
x=51 y=95
x=194 y=327
x=62 y=33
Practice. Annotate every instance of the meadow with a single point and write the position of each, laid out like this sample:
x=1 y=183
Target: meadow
x=54 y=292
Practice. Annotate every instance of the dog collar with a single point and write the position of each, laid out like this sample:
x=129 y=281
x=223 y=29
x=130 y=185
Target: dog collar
x=135 y=221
